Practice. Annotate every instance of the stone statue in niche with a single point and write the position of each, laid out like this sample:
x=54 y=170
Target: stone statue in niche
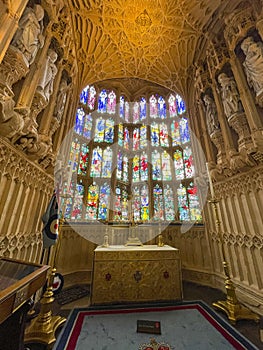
x=253 y=63
x=211 y=114
x=230 y=95
x=28 y=37
x=47 y=75
x=61 y=100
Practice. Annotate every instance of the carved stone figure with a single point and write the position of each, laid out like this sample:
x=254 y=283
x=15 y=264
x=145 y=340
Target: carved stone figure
x=211 y=114
x=28 y=37
x=61 y=100
x=47 y=75
x=253 y=63
x=11 y=122
x=230 y=95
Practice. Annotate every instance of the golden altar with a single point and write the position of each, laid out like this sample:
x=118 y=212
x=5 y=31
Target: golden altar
x=136 y=274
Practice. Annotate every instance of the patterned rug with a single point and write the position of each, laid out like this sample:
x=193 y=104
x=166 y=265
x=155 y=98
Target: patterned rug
x=70 y=294
x=184 y=326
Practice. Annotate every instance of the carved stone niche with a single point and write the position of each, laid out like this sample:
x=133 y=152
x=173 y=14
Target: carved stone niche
x=218 y=141
x=238 y=122
x=13 y=68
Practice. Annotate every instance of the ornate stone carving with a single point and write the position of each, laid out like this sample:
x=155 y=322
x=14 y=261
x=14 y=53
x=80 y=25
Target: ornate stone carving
x=253 y=66
x=13 y=68
x=61 y=100
x=11 y=122
x=28 y=37
x=237 y=25
x=211 y=115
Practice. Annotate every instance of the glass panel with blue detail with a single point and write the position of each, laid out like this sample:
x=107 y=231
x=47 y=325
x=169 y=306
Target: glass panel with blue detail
x=161 y=107
x=80 y=120
x=158 y=203
x=183 y=207
x=169 y=203
x=188 y=163
x=96 y=162
x=109 y=131
x=74 y=156
x=76 y=213
x=178 y=165
x=99 y=130
x=175 y=133
x=111 y=102
x=120 y=135
x=91 y=98
x=102 y=102
x=84 y=95
x=194 y=205
x=104 y=198
x=155 y=134
x=180 y=104
x=143 y=136
x=164 y=142
x=143 y=109
x=119 y=165
x=121 y=110
x=87 y=126
x=184 y=130
x=166 y=166
x=84 y=157
x=144 y=167
x=136 y=112
x=106 y=163
x=153 y=107
x=172 y=106
x=144 y=203
x=156 y=166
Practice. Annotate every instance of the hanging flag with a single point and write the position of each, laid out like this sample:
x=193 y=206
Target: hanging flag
x=50 y=221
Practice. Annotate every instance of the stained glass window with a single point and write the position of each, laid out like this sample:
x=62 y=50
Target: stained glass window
x=136 y=112
x=156 y=166
x=151 y=168
x=104 y=199
x=143 y=108
x=161 y=107
x=96 y=162
x=83 y=161
x=111 y=102
x=158 y=203
x=92 y=98
x=172 y=106
x=102 y=102
x=92 y=202
x=106 y=163
x=153 y=107
x=122 y=101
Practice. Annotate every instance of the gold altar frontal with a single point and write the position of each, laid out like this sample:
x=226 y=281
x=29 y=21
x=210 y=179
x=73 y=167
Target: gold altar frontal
x=136 y=274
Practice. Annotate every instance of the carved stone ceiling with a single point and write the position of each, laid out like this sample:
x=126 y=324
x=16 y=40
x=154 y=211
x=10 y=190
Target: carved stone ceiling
x=154 y=40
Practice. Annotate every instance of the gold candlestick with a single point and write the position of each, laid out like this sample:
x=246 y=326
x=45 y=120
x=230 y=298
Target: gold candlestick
x=231 y=306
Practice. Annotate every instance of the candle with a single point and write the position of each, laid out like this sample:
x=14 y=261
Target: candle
x=210 y=182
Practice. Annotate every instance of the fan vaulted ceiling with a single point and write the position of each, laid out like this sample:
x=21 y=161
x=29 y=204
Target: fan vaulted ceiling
x=154 y=40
